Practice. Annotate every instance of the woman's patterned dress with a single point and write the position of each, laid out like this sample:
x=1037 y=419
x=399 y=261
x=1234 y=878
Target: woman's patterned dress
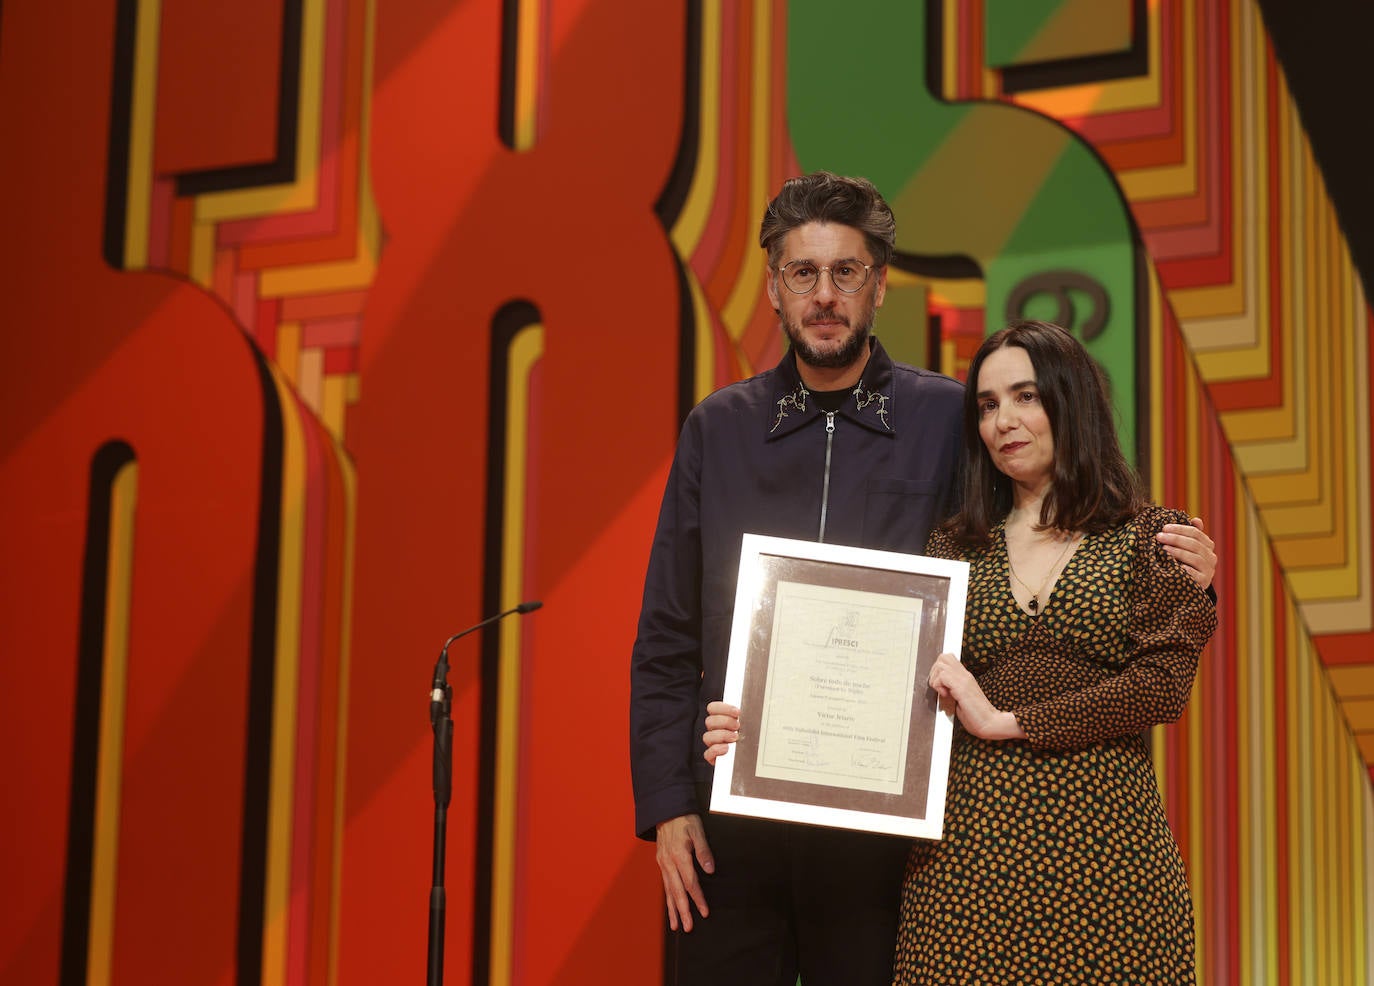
x=1057 y=865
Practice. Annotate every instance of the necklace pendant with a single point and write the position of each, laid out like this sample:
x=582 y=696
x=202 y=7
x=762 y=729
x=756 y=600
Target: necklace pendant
x=1033 y=605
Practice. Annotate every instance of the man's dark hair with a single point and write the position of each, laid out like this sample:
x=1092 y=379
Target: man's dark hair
x=1093 y=487
x=823 y=197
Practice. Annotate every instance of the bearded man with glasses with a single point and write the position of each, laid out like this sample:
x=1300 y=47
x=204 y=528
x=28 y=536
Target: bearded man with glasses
x=837 y=443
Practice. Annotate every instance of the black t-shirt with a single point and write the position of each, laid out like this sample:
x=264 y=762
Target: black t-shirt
x=831 y=400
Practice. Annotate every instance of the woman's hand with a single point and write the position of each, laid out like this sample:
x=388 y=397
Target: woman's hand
x=959 y=689
x=722 y=729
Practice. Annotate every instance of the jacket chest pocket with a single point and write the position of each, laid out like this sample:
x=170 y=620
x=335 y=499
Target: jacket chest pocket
x=899 y=513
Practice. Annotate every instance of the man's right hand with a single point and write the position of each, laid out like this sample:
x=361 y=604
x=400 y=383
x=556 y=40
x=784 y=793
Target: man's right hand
x=722 y=729
x=680 y=840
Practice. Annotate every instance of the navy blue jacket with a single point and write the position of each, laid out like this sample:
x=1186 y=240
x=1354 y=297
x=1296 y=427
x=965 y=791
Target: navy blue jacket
x=752 y=459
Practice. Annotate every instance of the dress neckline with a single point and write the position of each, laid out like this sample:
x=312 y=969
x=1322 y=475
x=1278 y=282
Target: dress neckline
x=1052 y=595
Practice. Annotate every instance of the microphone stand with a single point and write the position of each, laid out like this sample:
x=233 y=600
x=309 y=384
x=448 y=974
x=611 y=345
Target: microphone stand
x=442 y=725
x=440 y=706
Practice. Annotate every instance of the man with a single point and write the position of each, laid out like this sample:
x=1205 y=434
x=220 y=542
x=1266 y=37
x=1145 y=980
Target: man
x=836 y=443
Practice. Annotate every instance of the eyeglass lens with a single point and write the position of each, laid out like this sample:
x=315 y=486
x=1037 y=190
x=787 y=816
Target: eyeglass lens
x=803 y=277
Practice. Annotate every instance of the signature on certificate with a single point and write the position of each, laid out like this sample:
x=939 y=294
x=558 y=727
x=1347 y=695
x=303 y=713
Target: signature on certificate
x=812 y=755
x=869 y=760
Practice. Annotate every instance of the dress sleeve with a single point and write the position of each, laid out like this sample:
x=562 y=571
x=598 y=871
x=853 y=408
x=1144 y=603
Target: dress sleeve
x=939 y=545
x=1169 y=621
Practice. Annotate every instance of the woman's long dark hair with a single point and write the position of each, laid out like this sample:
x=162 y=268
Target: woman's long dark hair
x=1093 y=486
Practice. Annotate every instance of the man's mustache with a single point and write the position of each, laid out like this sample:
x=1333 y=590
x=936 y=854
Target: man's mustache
x=823 y=316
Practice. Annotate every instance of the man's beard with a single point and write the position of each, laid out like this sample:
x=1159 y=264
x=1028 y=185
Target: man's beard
x=848 y=351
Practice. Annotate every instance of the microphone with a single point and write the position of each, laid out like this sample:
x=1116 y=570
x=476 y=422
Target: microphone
x=439 y=696
x=439 y=689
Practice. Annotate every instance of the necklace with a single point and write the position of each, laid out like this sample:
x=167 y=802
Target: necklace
x=1034 y=604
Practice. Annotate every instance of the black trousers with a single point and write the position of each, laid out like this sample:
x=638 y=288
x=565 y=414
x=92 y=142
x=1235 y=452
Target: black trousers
x=792 y=899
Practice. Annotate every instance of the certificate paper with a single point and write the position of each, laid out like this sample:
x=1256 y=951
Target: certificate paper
x=829 y=654
x=838 y=696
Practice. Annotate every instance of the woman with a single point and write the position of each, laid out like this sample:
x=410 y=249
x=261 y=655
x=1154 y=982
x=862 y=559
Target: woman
x=1057 y=864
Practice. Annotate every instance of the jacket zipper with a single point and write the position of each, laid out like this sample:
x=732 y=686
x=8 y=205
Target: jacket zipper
x=825 y=483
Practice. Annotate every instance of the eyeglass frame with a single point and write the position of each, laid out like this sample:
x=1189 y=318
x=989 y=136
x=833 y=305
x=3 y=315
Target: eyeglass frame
x=868 y=269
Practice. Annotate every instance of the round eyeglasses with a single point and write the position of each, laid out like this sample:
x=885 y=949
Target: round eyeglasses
x=802 y=276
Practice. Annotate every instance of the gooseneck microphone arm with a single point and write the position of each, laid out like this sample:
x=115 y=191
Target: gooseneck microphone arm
x=438 y=694
x=440 y=705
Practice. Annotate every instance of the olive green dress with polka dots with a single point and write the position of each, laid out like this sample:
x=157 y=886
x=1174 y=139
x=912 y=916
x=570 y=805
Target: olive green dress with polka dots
x=1057 y=864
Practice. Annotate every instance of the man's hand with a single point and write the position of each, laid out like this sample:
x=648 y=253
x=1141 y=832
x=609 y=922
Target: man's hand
x=679 y=841
x=1192 y=548
x=722 y=729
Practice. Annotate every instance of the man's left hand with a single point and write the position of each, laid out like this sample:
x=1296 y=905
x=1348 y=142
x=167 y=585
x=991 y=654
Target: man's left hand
x=1192 y=548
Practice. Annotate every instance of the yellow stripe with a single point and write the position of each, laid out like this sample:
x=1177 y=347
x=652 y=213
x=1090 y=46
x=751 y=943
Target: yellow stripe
x=287 y=353
x=525 y=351
x=1321 y=835
x=696 y=210
x=356 y=272
x=201 y=263
x=1337 y=852
x=526 y=95
x=333 y=402
x=1363 y=836
x=1192 y=428
x=1155 y=397
x=1356 y=447
x=1336 y=855
x=1321 y=842
x=281 y=805
x=691 y=222
x=1260 y=620
x=704 y=340
x=142 y=116
x=1351 y=857
x=949 y=358
x=1198 y=859
x=110 y=757
x=739 y=307
x=368 y=220
x=949 y=46
x=1341 y=846
x=1295 y=796
x=1156 y=343
x=348 y=479
x=1245 y=757
x=1302 y=784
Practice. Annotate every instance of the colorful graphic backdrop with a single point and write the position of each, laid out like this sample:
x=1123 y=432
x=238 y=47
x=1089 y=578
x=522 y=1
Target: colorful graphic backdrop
x=331 y=327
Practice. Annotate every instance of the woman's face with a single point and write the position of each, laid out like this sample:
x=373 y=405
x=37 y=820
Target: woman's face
x=1012 y=420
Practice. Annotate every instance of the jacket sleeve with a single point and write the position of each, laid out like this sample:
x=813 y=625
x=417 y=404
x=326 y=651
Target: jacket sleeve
x=1169 y=622
x=666 y=663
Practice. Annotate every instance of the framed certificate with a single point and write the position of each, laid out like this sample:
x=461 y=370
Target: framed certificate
x=829 y=655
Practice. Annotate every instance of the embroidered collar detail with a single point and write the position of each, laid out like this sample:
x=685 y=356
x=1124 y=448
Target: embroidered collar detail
x=873 y=398
x=795 y=400
x=865 y=398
